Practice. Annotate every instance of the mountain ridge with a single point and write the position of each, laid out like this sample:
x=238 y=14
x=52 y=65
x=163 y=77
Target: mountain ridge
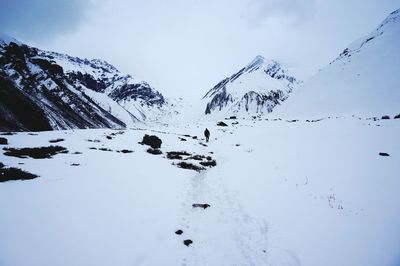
x=255 y=89
x=69 y=92
x=363 y=80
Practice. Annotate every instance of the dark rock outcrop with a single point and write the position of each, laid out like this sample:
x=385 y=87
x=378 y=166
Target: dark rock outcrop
x=152 y=141
x=12 y=173
x=201 y=205
x=222 y=124
x=36 y=153
x=37 y=93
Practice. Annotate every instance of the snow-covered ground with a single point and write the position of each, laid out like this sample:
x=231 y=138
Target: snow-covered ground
x=362 y=80
x=301 y=193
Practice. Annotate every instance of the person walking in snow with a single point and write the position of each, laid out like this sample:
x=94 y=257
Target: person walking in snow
x=207 y=134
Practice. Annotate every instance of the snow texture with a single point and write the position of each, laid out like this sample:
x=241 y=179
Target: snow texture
x=363 y=81
x=282 y=193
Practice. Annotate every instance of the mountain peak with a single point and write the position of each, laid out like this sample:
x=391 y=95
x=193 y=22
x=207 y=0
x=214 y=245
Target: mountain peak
x=362 y=81
x=254 y=89
x=6 y=39
x=388 y=26
x=255 y=63
x=393 y=17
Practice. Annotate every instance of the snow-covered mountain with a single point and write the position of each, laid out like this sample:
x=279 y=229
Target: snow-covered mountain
x=255 y=89
x=363 y=80
x=43 y=90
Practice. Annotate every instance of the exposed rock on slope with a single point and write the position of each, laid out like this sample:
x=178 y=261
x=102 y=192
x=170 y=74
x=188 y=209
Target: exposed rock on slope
x=255 y=89
x=42 y=90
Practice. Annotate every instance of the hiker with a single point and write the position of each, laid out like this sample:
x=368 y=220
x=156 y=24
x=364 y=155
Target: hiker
x=207 y=134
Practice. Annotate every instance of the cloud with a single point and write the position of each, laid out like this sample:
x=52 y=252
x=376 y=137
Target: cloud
x=41 y=19
x=293 y=12
x=184 y=47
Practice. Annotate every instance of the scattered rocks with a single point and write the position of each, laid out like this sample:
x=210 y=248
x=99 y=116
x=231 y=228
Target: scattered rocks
x=118 y=133
x=7 y=133
x=75 y=164
x=154 y=151
x=211 y=163
x=187 y=242
x=198 y=205
x=104 y=149
x=179 y=232
x=196 y=157
x=222 y=124
x=383 y=154
x=190 y=166
x=36 y=153
x=152 y=141
x=12 y=173
x=56 y=140
x=312 y=121
x=125 y=151
x=100 y=149
x=3 y=141
x=93 y=140
x=112 y=135
x=177 y=155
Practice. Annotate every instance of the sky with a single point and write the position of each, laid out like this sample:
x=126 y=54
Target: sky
x=184 y=47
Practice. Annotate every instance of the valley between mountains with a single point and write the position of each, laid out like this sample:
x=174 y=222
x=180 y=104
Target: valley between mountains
x=281 y=193
x=98 y=167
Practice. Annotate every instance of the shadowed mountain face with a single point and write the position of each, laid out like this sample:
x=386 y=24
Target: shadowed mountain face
x=42 y=90
x=255 y=89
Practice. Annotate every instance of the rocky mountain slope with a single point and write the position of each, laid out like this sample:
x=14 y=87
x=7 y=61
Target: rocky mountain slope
x=255 y=89
x=363 y=80
x=43 y=90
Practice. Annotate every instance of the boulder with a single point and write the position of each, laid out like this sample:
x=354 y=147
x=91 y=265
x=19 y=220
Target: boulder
x=152 y=141
x=221 y=124
x=3 y=141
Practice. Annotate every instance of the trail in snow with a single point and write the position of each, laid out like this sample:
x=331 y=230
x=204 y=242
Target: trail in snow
x=281 y=193
x=223 y=230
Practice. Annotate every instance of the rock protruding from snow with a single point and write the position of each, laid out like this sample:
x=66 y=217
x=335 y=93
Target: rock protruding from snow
x=255 y=89
x=152 y=141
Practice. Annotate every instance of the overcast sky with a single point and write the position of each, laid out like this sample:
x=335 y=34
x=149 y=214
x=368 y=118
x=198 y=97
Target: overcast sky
x=184 y=47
